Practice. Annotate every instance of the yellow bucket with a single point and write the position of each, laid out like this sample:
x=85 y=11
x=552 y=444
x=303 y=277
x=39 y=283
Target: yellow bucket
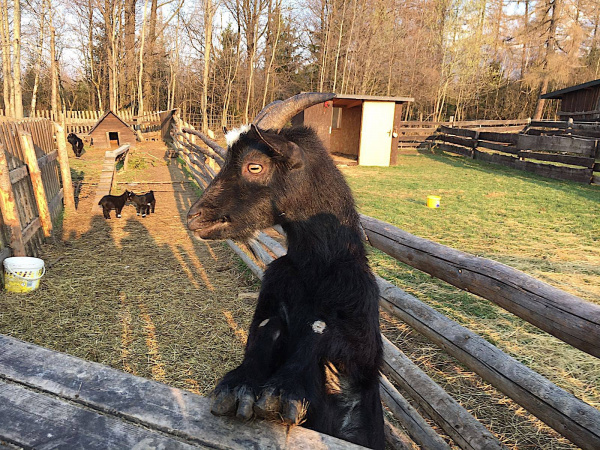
x=23 y=273
x=433 y=201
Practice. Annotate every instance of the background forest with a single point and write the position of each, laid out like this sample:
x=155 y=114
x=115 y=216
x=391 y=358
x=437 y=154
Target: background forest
x=221 y=61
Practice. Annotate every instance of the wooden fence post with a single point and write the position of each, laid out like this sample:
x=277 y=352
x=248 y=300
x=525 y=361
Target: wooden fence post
x=10 y=213
x=36 y=180
x=65 y=170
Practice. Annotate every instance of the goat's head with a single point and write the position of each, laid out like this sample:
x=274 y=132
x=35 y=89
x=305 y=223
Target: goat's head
x=258 y=184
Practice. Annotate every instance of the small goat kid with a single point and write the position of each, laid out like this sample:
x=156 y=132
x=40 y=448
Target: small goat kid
x=314 y=348
x=116 y=202
x=144 y=203
x=76 y=144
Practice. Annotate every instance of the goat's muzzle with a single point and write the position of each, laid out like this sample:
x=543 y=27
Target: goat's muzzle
x=204 y=223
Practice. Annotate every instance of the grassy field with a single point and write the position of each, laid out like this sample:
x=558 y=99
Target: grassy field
x=546 y=228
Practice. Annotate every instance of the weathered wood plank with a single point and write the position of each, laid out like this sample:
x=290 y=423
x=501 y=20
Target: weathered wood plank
x=545 y=170
x=498 y=147
x=36 y=421
x=563 y=159
x=35 y=174
x=550 y=124
x=18 y=173
x=458 y=131
x=247 y=260
x=455 y=420
x=31 y=229
x=151 y=404
x=583 y=147
x=506 y=138
x=568 y=415
x=569 y=318
x=394 y=438
x=418 y=429
x=9 y=208
x=465 y=142
x=47 y=159
x=65 y=171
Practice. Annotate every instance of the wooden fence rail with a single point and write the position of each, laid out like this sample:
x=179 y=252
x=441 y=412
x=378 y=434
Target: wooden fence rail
x=35 y=180
x=563 y=157
x=569 y=318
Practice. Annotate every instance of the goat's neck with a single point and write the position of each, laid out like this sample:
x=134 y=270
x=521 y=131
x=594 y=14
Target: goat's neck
x=323 y=240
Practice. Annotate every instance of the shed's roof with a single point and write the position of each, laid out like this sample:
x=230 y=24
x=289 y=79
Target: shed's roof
x=373 y=98
x=104 y=117
x=561 y=92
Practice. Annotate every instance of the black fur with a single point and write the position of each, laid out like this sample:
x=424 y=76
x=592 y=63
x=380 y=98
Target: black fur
x=314 y=348
x=116 y=202
x=144 y=203
x=76 y=143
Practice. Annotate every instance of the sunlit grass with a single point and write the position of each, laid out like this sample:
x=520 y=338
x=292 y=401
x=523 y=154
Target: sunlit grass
x=546 y=228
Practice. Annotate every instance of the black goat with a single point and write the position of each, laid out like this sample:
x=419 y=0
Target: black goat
x=144 y=203
x=314 y=347
x=116 y=202
x=76 y=143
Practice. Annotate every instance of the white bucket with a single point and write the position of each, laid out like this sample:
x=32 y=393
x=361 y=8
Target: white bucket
x=23 y=273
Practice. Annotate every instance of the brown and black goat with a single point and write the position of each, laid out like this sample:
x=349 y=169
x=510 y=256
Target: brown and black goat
x=116 y=202
x=314 y=348
x=144 y=203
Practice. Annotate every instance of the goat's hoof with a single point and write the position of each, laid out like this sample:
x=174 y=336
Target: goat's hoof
x=118 y=216
x=224 y=404
x=267 y=406
x=244 y=409
x=293 y=411
x=137 y=214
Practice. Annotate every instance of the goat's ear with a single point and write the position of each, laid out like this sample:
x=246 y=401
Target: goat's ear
x=282 y=147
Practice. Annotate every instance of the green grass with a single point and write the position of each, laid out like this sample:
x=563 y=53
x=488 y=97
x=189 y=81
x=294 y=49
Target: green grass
x=546 y=228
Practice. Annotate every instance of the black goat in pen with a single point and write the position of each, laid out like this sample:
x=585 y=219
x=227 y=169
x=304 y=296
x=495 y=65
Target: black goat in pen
x=314 y=348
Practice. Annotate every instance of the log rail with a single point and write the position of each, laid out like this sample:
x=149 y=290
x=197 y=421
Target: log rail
x=563 y=315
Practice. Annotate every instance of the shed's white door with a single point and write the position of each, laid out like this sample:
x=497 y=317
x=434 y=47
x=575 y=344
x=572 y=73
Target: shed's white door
x=376 y=133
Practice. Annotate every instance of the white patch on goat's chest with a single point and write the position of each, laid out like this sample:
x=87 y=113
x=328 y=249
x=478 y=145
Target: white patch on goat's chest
x=263 y=323
x=319 y=326
x=232 y=136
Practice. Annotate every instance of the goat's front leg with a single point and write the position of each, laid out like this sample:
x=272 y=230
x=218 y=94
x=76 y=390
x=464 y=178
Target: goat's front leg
x=289 y=391
x=235 y=393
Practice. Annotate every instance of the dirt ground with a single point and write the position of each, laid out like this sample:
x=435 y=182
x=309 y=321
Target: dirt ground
x=139 y=294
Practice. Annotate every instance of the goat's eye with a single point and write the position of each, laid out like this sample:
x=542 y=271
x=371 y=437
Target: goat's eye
x=255 y=168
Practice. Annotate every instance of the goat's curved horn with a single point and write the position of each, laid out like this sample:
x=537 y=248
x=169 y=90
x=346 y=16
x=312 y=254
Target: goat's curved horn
x=275 y=115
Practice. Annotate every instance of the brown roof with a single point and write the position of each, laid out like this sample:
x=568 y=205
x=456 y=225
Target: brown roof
x=104 y=117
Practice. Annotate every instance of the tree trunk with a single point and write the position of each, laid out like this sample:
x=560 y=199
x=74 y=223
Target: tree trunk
x=53 y=74
x=6 y=60
x=141 y=68
x=130 y=63
x=38 y=65
x=17 y=60
x=209 y=10
x=553 y=5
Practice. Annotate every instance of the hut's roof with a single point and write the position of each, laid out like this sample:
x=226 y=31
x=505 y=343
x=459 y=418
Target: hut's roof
x=373 y=98
x=104 y=117
x=561 y=92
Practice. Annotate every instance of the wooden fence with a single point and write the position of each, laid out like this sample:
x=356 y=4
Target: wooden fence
x=414 y=133
x=552 y=149
x=34 y=179
x=567 y=317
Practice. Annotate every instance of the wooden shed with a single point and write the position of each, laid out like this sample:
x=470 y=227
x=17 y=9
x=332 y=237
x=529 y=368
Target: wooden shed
x=580 y=102
x=362 y=128
x=111 y=131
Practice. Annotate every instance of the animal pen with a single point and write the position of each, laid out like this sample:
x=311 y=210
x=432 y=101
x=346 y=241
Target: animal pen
x=105 y=406
x=563 y=315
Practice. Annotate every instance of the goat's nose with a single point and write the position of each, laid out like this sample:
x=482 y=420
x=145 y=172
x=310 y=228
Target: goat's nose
x=194 y=216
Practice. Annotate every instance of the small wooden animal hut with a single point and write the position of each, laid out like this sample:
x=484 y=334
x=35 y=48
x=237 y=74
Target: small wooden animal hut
x=358 y=127
x=580 y=102
x=111 y=131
